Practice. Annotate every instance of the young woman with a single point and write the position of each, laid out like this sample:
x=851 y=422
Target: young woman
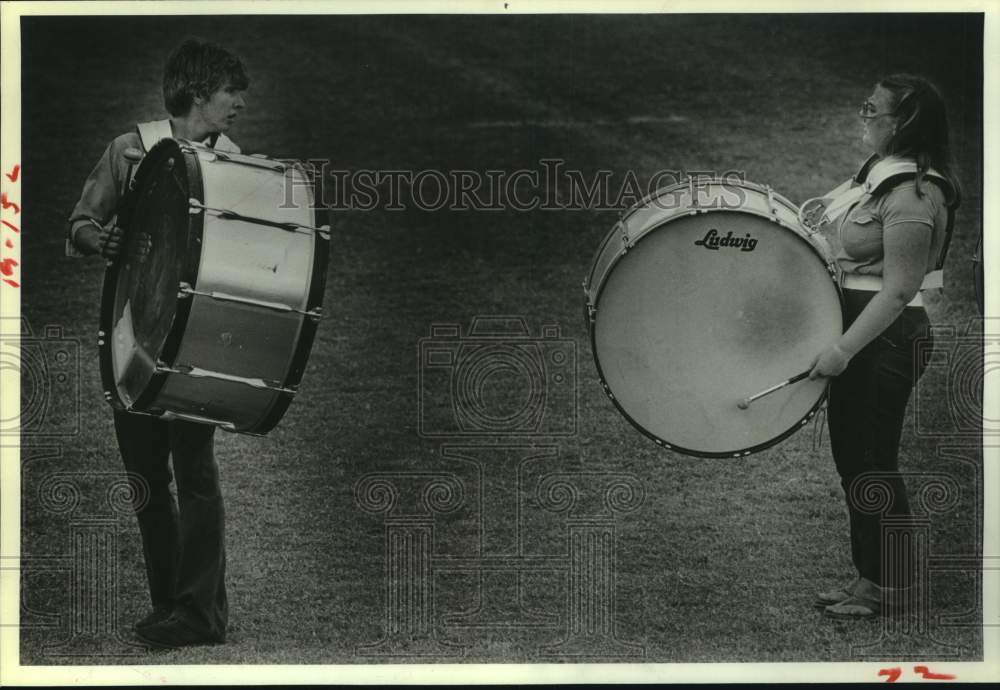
x=893 y=239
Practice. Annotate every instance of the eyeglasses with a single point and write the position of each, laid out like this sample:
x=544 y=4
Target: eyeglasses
x=867 y=111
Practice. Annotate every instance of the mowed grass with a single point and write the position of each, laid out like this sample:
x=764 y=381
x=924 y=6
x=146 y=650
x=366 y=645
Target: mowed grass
x=720 y=559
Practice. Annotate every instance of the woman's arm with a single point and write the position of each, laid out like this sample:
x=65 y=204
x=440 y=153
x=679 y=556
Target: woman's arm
x=906 y=246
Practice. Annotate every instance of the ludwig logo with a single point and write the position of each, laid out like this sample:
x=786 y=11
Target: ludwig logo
x=713 y=241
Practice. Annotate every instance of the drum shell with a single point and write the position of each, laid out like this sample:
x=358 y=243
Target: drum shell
x=249 y=296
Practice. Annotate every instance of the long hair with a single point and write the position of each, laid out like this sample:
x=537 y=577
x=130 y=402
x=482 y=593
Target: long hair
x=197 y=68
x=922 y=132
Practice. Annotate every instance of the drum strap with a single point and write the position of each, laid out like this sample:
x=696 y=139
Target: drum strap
x=152 y=132
x=885 y=173
x=875 y=176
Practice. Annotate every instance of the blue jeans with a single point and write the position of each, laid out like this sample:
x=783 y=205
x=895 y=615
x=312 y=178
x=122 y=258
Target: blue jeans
x=183 y=541
x=866 y=411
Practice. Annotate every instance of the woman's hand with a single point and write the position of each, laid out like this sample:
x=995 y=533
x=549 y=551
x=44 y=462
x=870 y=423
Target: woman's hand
x=829 y=363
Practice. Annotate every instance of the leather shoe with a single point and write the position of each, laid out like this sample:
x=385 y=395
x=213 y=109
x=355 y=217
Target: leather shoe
x=175 y=632
x=157 y=615
x=835 y=596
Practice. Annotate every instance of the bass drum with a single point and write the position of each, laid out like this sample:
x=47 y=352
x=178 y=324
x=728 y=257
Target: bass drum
x=701 y=296
x=209 y=312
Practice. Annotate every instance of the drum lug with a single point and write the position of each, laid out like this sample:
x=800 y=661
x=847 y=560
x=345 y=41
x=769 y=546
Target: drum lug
x=623 y=229
x=770 y=200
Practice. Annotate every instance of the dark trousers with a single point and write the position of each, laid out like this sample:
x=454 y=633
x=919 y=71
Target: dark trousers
x=866 y=411
x=183 y=541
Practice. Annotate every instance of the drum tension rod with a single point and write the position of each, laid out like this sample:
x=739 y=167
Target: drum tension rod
x=197 y=207
x=196 y=372
x=184 y=291
x=167 y=415
x=253 y=161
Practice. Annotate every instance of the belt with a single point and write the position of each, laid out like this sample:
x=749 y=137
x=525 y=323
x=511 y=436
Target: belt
x=855 y=281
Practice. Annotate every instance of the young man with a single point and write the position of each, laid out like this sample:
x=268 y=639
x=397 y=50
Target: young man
x=183 y=541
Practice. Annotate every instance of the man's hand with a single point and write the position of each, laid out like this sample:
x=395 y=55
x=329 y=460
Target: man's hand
x=91 y=239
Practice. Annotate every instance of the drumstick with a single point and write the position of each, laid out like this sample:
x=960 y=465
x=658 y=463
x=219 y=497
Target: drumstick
x=745 y=402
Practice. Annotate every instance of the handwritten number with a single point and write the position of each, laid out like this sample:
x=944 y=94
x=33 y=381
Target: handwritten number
x=7 y=265
x=6 y=203
x=929 y=675
x=893 y=674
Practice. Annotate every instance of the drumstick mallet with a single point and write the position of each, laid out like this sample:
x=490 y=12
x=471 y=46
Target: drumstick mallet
x=745 y=402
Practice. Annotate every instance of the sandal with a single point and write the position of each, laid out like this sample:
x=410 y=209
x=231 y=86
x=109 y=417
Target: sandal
x=831 y=597
x=855 y=608
x=866 y=601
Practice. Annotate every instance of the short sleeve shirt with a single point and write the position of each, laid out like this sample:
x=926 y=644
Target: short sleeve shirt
x=862 y=230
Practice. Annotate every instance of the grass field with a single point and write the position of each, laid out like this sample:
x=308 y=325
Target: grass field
x=715 y=560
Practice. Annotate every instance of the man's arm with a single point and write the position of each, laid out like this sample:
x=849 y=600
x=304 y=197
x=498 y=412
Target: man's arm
x=91 y=229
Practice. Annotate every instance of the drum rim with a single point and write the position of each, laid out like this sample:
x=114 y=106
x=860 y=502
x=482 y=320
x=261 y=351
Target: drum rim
x=194 y=232
x=691 y=184
x=590 y=309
